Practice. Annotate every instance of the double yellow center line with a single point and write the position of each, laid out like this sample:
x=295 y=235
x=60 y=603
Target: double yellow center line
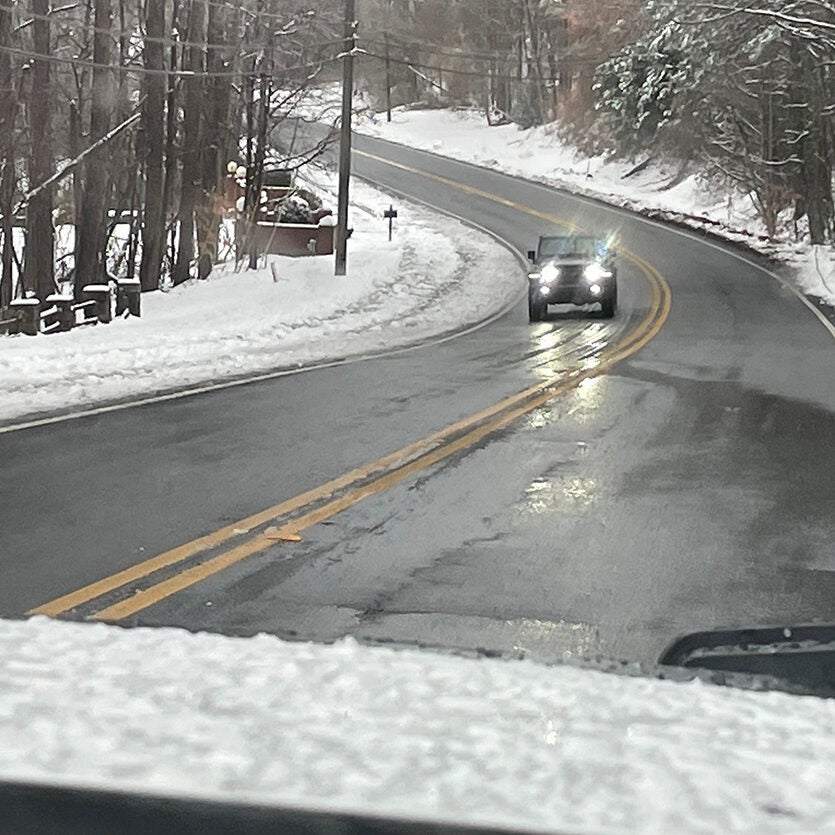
x=295 y=515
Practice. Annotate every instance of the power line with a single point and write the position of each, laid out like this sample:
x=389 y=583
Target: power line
x=140 y=70
x=471 y=73
x=438 y=49
x=453 y=52
x=117 y=34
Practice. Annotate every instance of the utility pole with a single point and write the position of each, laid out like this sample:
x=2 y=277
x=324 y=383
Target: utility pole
x=345 y=138
x=388 y=80
x=258 y=176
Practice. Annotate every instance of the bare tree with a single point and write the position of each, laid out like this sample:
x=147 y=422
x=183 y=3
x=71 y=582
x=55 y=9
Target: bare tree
x=91 y=224
x=190 y=192
x=217 y=129
x=8 y=112
x=153 y=124
x=89 y=69
x=39 y=266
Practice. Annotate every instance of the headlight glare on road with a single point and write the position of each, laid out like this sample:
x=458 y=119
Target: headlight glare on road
x=596 y=272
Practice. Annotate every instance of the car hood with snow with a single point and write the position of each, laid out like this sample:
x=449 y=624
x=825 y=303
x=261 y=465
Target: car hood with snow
x=407 y=733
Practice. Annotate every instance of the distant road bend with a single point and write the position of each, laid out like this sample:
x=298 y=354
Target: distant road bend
x=575 y=487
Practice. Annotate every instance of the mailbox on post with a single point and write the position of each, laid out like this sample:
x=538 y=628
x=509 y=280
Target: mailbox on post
x=390 y=214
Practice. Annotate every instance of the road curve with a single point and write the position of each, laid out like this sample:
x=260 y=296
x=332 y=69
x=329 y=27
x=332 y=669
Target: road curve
x=689 y=486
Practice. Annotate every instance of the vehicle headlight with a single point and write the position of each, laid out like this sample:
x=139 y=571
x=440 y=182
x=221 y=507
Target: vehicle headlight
x=596 y=272
x=550 y=272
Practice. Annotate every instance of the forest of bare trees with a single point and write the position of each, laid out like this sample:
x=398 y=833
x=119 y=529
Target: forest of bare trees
x=741 y=91
x=525 y=60
x=130 y=110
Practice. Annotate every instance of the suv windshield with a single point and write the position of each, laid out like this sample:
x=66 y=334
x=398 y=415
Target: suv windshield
x=584 y=246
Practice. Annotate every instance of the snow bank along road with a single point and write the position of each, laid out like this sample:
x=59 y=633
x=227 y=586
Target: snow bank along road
x=288 y=313
x=577 y=487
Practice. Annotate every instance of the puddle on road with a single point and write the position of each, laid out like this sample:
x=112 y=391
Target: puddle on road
x=559 y=494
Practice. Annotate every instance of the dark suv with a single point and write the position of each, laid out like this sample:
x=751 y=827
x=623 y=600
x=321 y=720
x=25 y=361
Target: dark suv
x=572 y=269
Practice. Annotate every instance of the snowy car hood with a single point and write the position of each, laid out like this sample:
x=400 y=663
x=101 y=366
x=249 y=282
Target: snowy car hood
x=479 y=741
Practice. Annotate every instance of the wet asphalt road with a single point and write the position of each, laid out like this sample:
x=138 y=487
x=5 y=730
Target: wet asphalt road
x=692 y=486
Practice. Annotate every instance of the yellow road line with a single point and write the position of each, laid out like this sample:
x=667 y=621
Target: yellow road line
x=408 y=459
x=243 y=526
x=474 y=190
x=154 y=594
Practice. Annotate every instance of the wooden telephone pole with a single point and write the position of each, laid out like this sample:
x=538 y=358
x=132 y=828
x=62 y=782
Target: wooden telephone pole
x=341 y=267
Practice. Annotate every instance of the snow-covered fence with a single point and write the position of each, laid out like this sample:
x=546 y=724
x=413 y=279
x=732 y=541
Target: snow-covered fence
x=59 y=316
x=28 y=315
x=61 y=312
x=96 y=298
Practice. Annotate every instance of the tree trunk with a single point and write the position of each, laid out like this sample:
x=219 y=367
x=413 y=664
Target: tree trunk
x=815 y=180
x=565 y=74
x=8 y=110
x=249 y=199
x=214 y=158
x=190 y=193
x=76 y=148
x=153 y=122
x=39 y=263
x=171 y=134
x=260 y=154
x=817 y=168
x=535 y=63
x=91 y=225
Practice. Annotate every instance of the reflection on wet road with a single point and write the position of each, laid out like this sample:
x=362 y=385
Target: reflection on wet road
x=558 y=347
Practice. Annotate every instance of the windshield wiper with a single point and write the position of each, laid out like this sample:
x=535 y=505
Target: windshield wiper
x=798 y=659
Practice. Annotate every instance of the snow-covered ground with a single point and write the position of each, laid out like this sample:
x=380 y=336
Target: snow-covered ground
x=407 y=733
x=538 y=154
x=435 y=277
